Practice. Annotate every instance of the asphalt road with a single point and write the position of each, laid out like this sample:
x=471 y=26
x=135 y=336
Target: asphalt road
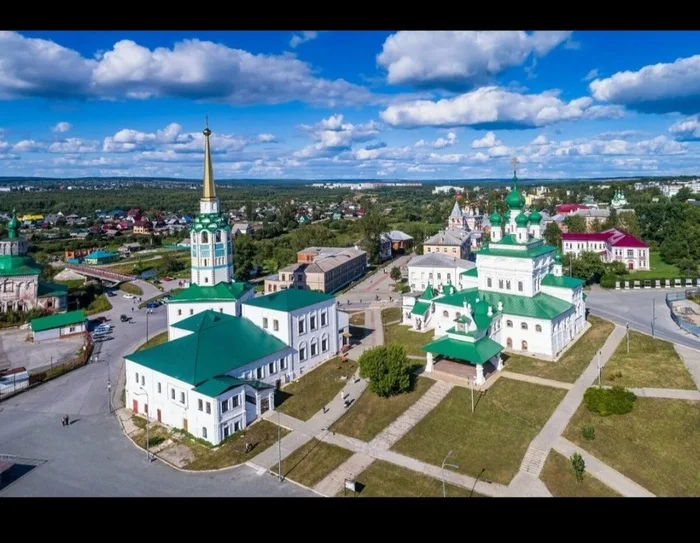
x=636 y=307
x=378 y=284
x=92 y=457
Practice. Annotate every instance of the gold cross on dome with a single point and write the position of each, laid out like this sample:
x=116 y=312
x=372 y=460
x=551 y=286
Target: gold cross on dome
x=515 y=163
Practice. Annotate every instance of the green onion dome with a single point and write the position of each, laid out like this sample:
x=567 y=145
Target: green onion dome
x=521 y=220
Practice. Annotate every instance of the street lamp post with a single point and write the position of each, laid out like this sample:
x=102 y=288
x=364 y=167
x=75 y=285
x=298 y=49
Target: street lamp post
x=472 y=388
x=148 y=420
x=279 y=445
x=148 y=311
x=627 y=325
x=442 y=472
x=653 y=315
x=599 y=369
x=476 y=480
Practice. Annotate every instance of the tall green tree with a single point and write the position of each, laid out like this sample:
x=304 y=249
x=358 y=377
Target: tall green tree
x=243 y=257
x=628 y=222
x=371 y=228
x=387 y=369
x=575 y=224
x=552 y=235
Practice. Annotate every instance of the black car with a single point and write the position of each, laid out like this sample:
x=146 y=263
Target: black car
x=124 y=318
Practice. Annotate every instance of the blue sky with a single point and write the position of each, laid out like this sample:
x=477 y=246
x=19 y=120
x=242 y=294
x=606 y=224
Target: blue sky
x=339 y=105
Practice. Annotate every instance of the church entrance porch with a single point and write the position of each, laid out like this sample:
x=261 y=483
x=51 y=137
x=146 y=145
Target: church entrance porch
x=461 y=369
x=473 y=356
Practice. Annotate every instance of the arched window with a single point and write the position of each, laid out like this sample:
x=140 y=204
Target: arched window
x=509 y=343
x=458 y=315
x=524 y=345
x=324 y=343
x=509 y=324
x=204 y=236
x=302 y=351
x=523 y=326
x=445 y=313
x=204 y=432
x=217 y=236
x=314 y=347
x=538 y=328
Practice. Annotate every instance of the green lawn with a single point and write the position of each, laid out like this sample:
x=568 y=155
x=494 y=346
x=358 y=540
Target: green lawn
x=403 y=335
x=385 y=480
x=392 y=314
x=155 y=340
x=357 y=319
x=315 y=389
x=261 y=435
x=572 y=363
x=370 y=414
x=650 y=363
x=130 y=288
x=659 y=270
x=656 y=445
x=558 y=476
x=507 y=418
x=311 y=462
x=98 y=305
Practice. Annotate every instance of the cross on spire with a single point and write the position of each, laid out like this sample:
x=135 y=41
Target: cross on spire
x=515 y=163
x=206 y=120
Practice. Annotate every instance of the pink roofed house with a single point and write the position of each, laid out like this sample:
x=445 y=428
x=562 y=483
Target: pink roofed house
x=611 y=245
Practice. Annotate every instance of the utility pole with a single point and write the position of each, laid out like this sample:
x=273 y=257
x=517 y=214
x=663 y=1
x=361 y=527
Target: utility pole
x=472 y=388
x=279 y=445
x=627 y=325
x=599 y=369
x=653 y=315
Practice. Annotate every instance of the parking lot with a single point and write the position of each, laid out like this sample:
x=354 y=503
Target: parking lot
x=16 y=352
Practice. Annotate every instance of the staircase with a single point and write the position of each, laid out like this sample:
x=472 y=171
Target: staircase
x=412 y=416
x=533 y=462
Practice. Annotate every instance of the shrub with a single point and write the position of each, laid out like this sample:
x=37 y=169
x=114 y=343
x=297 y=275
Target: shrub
x=154 y=441
x=130 y=288
x=588 y=433
x=387 y=369
x=579 y=465
x=612 y=401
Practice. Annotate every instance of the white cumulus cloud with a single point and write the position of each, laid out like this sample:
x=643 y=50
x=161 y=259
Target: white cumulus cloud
x=686 y=129
x=266 y=138
x=306 y=35
x=334 y=134
x=489 y=140
x=460 y=59
x=74 y=145
x=27 y=146
x=61 y=127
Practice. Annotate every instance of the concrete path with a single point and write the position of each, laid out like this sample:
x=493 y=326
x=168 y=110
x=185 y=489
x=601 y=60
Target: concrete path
x=334 y=482
x=412 y=416
x=601 y=471
x=527 y=485
x=373 y=323
x=557 y=423
x=691 y=359
x=535 y=380
x=670 y=393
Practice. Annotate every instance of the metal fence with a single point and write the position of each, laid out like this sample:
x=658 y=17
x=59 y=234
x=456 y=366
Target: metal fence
x=678 y=319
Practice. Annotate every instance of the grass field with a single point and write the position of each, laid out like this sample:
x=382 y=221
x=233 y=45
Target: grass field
x=507 y=418
x=357 y=319
x=155 y=340
x=391 y=314
x=403 y=335
x=98 y=305
x=572 y=363
x=385 y=480
x=305 y=397
x=559 y=478
x=370 y=414
x=659 y=270
x=650 y=363
x=656 y=445
x=311 y=462
x=130 y=288
x=261 y=435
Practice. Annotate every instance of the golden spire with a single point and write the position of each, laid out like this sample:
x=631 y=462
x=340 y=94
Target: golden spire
x=209 y=192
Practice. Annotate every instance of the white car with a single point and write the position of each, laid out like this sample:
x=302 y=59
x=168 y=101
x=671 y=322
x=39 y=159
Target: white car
x=128 y=296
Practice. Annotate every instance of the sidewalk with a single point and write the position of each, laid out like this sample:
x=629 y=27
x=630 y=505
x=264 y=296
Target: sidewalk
x=691 y=359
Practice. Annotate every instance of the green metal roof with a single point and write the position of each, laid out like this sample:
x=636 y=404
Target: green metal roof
x=563 y=281
x=474 y=272
x=19 y=265
x=221 y=383
x=528 y=253
x=289 y=299
x=100 y=254
x=51 y=289
x=220 y=343
x=57 y=321
x=420 y=308
x=429 y=293
x=220 y=291
x=478 y=352
x=210 y=222
x=540 y=306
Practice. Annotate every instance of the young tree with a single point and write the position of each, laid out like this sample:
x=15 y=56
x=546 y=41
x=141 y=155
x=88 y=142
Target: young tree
x=371 y=227
x=588 y=267
x=597 y=226
x=575 y=224
x=688 y=267
x=552 y=235
x=387 y=369
x=628 y=222
x=579 y=466
x=395 y=274
x=243 y=254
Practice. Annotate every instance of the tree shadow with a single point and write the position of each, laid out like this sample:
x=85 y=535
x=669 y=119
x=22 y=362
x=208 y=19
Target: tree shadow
x=281 y=396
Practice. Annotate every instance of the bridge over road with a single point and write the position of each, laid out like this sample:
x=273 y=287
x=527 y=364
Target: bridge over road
x=102 y=274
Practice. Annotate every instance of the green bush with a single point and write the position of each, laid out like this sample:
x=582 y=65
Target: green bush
x=154 y=441
x=130 y=288
x=588 y=433
x=609 y=401
x=387 y=368
x=579 y=466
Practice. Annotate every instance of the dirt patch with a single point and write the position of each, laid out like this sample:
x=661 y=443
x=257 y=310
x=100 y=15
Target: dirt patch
x=178 y=455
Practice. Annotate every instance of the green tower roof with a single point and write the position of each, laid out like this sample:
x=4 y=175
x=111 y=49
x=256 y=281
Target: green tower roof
x=521 y=220
x=535 y=217
x=495 y=218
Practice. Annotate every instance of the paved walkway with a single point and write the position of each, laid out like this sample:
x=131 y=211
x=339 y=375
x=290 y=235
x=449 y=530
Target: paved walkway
x=601 y=471
x=537 y=452
x=535 y=380
x=691 y=359
x=670 y=393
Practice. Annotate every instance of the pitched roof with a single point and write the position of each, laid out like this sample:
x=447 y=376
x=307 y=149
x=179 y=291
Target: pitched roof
x=219 y=343
x=449 y=237
x=397 y=235
x=613 y=236
x=101 y=254
x=51 y=289
x=437 y=260
x=420 y=308
x=219 y=292
x=562 y=281
x=474 y=272
x=530 y=252
x=456 y=212
x=540 y=306
x=289 y=299
x=477 y=352
x=218 y=385
x=19 y=265
x=57 y=321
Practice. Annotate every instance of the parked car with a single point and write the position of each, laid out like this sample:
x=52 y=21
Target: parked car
x=111 y=293
x=124 y=318
x=152 y=305
x=128 y=296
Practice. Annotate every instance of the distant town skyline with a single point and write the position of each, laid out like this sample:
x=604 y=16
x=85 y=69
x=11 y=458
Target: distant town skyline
x=350 y=105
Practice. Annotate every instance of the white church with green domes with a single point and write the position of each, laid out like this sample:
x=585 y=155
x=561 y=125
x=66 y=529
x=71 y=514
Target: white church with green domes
x=516 y=300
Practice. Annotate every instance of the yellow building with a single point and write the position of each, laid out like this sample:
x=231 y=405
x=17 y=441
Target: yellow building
x=32 y=218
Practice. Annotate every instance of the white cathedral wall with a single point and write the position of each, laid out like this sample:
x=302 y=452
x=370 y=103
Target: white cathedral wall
x=420 y=276
x=513 y=269
x=184 y=310
x=538 y=343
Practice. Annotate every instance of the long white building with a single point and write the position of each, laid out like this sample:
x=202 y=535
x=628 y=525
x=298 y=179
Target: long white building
x=227 y=351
